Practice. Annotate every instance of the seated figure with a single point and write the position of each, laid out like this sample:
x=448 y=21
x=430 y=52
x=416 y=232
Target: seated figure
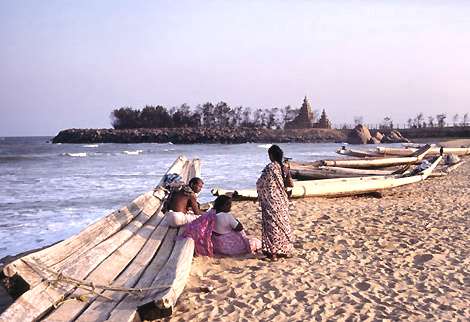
x=218 y=232
x=228 y=236
x=181 y=201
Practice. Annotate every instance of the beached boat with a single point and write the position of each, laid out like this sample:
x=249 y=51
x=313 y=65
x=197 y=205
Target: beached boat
x=379 y=162
x=358 y=153
x=125 y=266
x=341 y=187
x=408 y=151
x=305 y=171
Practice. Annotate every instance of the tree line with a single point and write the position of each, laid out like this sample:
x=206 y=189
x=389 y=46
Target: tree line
x=219 y=115
x=420 y=121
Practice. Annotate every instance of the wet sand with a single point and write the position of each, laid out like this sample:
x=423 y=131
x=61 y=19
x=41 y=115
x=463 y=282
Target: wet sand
x=401 y=256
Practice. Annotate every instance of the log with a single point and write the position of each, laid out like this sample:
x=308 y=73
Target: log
x=107 y=271
x=124 y=307
x=175 y=273
x=33 y=304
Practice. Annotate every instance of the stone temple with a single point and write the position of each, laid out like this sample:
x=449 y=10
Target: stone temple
x=306 y=120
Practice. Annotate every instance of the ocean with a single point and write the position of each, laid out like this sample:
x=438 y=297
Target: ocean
x=52 y=191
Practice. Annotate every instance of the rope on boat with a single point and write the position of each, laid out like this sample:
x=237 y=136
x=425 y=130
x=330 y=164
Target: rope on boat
x=90 y=287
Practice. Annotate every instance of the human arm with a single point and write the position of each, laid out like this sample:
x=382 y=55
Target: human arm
x=288 y=182
x=235 y=223
x=239 y=226
x=194 y=205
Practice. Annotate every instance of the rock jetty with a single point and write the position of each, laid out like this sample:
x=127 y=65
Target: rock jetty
x=361 y=135
x=198 y=135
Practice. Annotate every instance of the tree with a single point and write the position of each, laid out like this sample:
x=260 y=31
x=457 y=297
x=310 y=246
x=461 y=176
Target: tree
x=441 y=119
x=155 y=117
x=455 y=119
x=465 y=119
x=236 y=117
x=419 y=120
x=246 y=120
x=258 y=118
x=180 y=115
x=222 y=115
x=431 y=121
x=386 y=123
x=125 y=118
x=410 y=122
x=207 y=112
x=358 y=120
x=288 y=114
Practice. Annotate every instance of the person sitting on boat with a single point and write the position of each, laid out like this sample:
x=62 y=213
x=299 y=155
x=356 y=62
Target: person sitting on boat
x=181 y=201
x=218 y=232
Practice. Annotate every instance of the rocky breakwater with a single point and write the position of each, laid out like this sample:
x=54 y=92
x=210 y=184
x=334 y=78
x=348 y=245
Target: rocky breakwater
x=361 y=135
x=197 y=135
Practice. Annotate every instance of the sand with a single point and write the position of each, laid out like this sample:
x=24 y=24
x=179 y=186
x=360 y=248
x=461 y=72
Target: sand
x=401 y=256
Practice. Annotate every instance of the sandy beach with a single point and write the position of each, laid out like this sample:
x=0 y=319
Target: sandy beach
x=403 y=255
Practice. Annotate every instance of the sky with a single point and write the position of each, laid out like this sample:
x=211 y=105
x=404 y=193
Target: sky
x=68 y=64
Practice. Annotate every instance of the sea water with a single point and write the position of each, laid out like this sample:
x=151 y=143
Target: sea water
x=51 y=191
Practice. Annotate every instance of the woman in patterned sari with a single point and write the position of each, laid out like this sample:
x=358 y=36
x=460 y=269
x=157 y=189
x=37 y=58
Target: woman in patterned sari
x=277 y=240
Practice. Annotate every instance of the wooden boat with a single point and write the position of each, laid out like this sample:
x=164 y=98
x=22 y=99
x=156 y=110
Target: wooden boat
x=341 y=187
x=305 y=171
x=407 y=151
x=417 y=157
x=122 y=267
x=358 y=153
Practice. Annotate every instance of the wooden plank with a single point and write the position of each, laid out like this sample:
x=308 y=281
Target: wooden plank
x=109 y=269
x=123 y=307
x=34 y=303
x=87 y=238
x=95 y=234
x=175 y=273
x=299 y=171
x=434 y=151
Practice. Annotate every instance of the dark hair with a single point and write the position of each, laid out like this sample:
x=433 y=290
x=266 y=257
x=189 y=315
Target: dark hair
x=194 y=180
x=222 y=203
x=277 y=155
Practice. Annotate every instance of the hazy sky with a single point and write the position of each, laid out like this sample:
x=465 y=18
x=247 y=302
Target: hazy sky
x=68 y=64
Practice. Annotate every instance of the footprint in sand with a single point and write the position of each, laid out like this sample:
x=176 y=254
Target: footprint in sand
x=363 y=286
x=421 y=259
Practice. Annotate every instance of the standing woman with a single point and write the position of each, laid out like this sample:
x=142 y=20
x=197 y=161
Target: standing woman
x=277 y=240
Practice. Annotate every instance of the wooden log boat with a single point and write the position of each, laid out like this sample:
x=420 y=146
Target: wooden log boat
x=407 y=151
x=124 y=256
x=358 y=153
x=417 y=157
x=341 y=187
x=305 y=171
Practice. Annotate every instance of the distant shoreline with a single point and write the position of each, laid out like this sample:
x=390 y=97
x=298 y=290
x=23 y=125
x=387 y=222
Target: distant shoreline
x=240 y=135
x=199 y=135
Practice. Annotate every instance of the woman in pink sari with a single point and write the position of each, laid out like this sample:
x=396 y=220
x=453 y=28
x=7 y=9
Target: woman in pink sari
x=218 y=232
x=228 y=236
